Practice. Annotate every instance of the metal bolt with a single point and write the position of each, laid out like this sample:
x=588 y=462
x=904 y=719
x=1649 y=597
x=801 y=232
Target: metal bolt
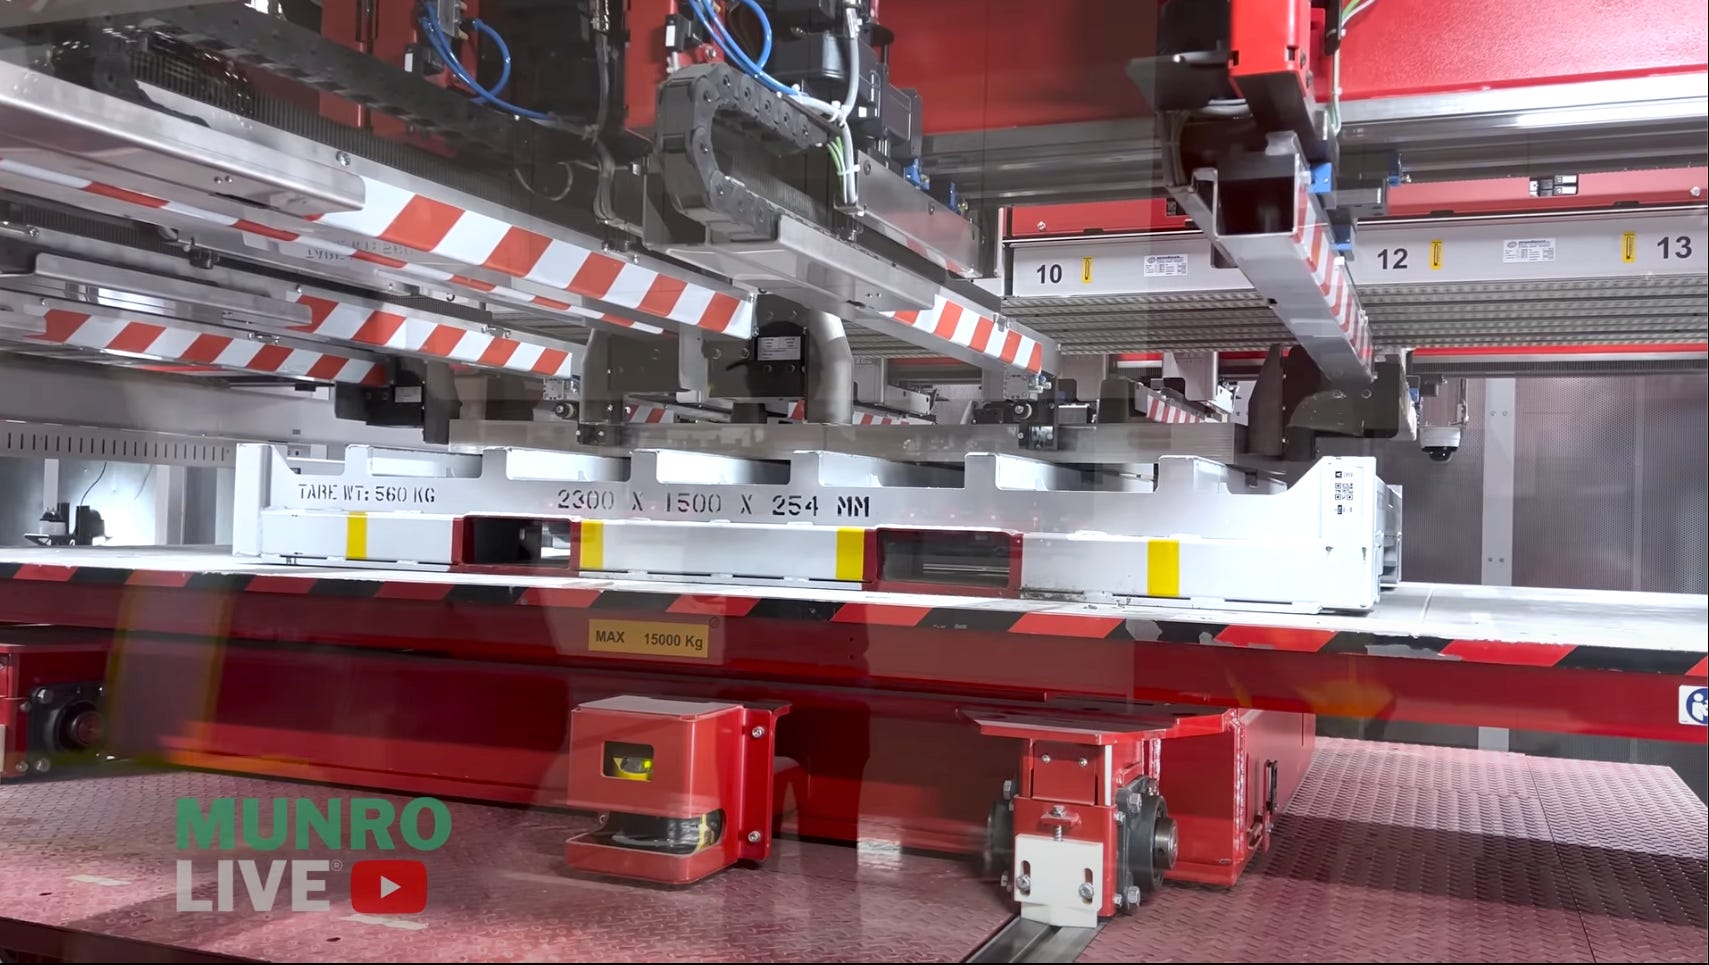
x=1041 y=226
x=753 y=837
x=1085 y=891
x=1045 y=759
x=1058 y=811
x=43 y=695
x=1131 y=895
x=1009 y=789
x=1120 y=816
x=1083 y=762
x=1696 y=191
x=1056 y=833
x=22 y=767
x=1004 y=882
x=1116 y=899
x=757 y=733
x=1024 y=884
x=43 y=765
x=343 y=158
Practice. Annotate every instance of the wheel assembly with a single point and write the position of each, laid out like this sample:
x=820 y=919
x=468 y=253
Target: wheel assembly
x=1148 y=843
x=999 y=853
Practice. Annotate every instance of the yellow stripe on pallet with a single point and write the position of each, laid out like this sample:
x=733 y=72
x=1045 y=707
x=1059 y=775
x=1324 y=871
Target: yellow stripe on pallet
x=356 y=536
x=593 y=544
x=1163 y=567
x=851 y=553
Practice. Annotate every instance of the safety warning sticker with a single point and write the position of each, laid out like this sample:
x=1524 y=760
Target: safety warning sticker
x=1694 y=705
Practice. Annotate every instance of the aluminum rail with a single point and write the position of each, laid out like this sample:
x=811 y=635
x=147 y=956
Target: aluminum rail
x=1637 y=122
x=267 y=195
x=1113 y=444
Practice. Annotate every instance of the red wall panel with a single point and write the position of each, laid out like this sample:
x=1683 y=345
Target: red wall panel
x=983 y=64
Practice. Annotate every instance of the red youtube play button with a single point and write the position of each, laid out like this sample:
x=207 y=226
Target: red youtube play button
x=388 y=887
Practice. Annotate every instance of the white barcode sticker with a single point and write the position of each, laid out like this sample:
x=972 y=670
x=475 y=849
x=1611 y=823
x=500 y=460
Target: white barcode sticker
x=1523 y=250
x=1165 y=266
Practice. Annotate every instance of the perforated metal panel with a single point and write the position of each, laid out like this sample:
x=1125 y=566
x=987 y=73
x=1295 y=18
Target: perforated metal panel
x=1673 y=484
x=1574 y=478
x=119 y=445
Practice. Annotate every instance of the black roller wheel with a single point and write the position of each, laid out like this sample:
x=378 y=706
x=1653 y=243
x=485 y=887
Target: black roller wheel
x=1149 y=843
x=999 y=854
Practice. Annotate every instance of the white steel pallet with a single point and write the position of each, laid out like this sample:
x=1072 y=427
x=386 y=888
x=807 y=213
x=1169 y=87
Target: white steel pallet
x=1194 y=530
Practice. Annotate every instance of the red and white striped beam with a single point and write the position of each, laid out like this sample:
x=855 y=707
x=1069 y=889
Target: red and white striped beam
x=863 y=417
x=1303 y=278
x=394 y=328
x=206 y=346
x=973 y=336
x=650 y=413
x=547 y=270
x=1157 y=407
x=502 y=261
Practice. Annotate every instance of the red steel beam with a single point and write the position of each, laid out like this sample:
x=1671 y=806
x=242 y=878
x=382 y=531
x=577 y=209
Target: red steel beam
x=1555 y=687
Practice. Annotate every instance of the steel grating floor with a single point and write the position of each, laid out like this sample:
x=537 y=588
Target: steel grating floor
x=1387 y=853
x=1415 y=854
x=97 y=855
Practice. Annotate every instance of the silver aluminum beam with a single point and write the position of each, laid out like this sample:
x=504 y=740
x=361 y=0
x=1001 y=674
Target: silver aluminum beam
x=1113 y=444
x=1294 y=266
x=1605 y=125
x=1585 y=278
x=1618 y=124
x=43 y=119
x=65 y=394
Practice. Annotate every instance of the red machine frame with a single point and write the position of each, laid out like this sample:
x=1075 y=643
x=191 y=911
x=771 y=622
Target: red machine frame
x=848 y=764
x=267 y=673
x=996 y=64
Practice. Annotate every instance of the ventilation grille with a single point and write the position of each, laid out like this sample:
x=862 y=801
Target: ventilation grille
x=65 y=442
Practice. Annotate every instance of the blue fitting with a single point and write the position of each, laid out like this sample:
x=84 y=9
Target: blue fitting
x=916 y=176
x=1342 y=236
x=1322 y=178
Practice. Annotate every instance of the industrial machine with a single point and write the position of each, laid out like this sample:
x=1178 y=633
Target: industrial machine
x=821 y=420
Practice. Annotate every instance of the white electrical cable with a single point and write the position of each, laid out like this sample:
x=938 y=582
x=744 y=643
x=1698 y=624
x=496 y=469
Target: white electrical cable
x=851 y=192
x=851 y=20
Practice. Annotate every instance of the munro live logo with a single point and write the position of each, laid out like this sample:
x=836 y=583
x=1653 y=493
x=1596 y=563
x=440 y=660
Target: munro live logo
x=378 y=886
